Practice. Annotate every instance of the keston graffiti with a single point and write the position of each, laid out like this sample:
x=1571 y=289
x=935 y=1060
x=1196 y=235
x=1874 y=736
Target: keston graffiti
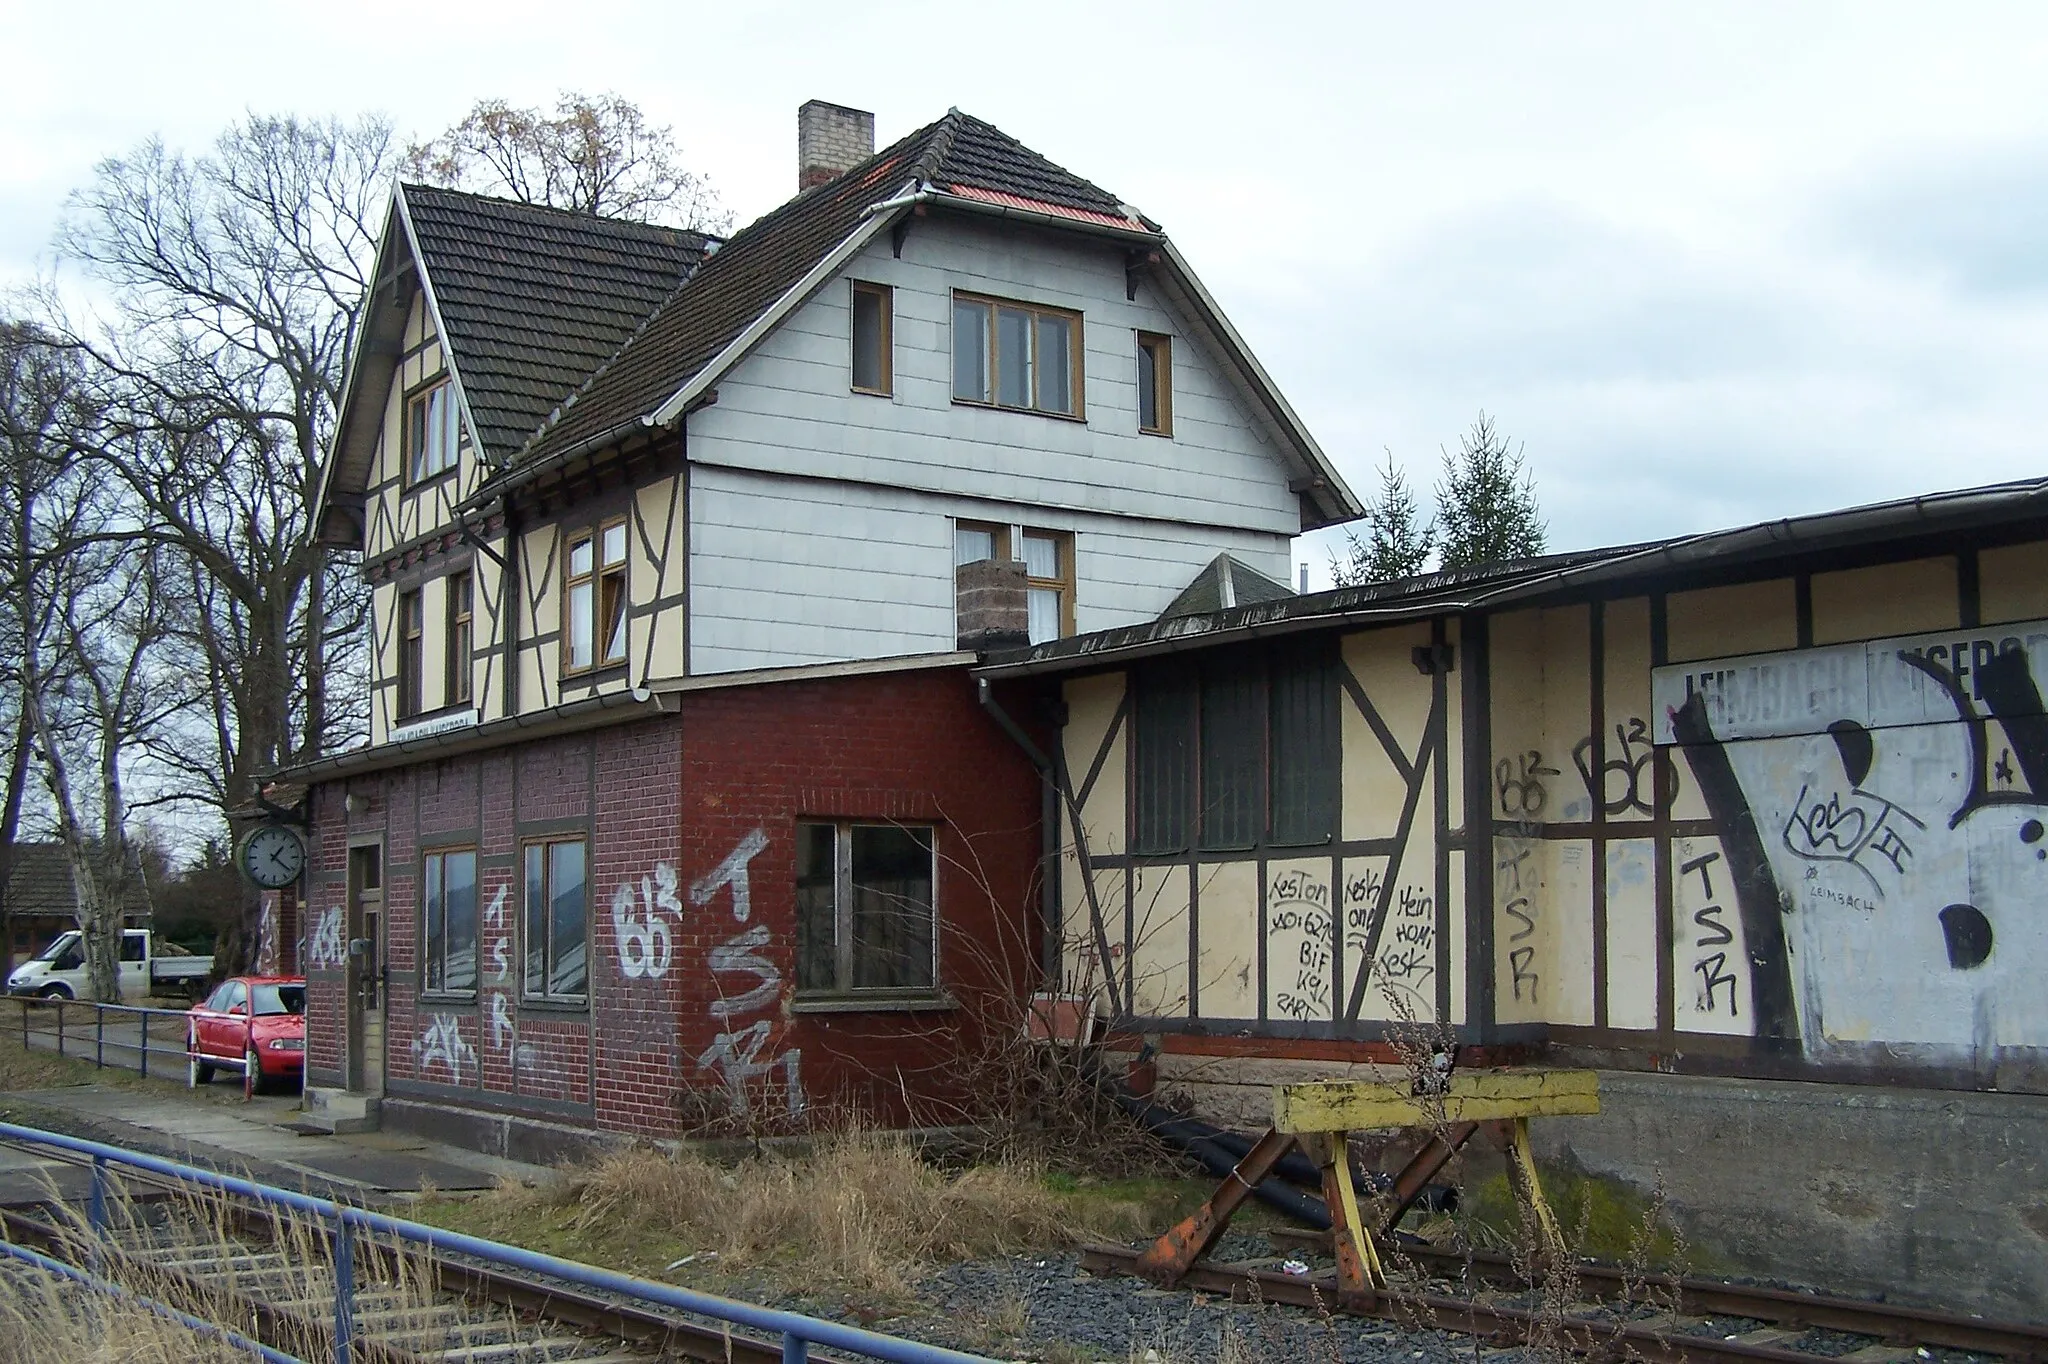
x=1881 y=808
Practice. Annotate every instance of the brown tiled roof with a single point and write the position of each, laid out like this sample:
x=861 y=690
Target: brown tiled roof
x=40 y=884
x=534 y=299
x=743 y=278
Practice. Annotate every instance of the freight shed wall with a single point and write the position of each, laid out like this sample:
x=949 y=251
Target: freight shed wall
x=1788 y=826
x=694 y=1015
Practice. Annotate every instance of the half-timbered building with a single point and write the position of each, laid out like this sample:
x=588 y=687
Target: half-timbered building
x=677 y=798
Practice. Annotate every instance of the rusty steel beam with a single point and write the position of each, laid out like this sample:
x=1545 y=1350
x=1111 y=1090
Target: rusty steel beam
x=1169 y=1257
x=1422 y=1167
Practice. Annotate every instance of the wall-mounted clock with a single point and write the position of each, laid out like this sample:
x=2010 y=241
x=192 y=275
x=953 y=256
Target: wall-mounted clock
x=273 y=856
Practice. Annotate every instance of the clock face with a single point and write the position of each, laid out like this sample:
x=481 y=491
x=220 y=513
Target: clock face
x=273 y=856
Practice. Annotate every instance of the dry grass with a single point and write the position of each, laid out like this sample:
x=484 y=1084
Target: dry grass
x=860 y=1212
x=44 y=1318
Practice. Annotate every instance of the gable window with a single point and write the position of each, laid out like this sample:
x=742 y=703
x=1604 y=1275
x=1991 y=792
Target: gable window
x=448 y=921
x=871 y=322
x=411 y=654
x=1016 y=355
x=1155 y=384
x=594 y=615
x=431 y=427
x=1238 y=752
x=556 y=936
x=1049 y=569
x=461 y=618
x=864 y=908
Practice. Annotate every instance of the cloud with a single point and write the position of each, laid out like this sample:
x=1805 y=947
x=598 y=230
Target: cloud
x=1666 y=385
x=1976 y=219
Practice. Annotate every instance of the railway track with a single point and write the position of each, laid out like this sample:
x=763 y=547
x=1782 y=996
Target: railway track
x=1676 y=1321
x=270 y=1273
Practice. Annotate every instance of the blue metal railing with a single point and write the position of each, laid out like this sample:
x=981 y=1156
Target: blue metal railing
x=178 y=1030
x=343 y=1222
x=120 y=1294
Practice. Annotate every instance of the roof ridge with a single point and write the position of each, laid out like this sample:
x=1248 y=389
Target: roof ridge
x=764 y=222
x=411 y=187
x=935 y=153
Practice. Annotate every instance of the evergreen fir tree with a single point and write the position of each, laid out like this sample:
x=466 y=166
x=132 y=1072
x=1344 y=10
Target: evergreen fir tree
x=1486 y=503
x=1396 y=543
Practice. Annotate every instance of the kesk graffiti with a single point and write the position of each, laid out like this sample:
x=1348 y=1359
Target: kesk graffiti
x=326 y=951
x=1881 y=808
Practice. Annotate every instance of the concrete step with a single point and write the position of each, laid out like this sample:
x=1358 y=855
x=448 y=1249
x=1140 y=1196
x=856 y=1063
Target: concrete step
x=340 y=1110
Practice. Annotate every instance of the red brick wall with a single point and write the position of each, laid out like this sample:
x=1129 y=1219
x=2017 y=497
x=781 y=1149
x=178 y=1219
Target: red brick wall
x=668 y=803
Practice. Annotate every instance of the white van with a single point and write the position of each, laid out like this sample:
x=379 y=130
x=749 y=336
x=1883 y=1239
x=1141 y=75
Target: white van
x=146 y=968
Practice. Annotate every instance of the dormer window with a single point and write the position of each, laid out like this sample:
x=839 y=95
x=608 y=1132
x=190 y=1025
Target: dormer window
x=1016 y=355
x=431 y=428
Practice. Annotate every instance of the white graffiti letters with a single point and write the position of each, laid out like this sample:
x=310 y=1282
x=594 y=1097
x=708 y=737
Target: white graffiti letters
x=646 y=946
x=501 y=1023
x=738 y=954
x=443 y=1042
x=732 y=872
x=325 y=952
x=501 y=947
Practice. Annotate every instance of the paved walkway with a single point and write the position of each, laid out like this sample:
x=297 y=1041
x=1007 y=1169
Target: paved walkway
x=259 y=1138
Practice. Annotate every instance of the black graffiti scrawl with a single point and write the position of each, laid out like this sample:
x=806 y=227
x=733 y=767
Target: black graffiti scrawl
x=1889 y=860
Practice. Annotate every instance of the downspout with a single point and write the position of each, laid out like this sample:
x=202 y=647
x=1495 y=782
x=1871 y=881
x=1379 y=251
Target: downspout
x=1058 y=795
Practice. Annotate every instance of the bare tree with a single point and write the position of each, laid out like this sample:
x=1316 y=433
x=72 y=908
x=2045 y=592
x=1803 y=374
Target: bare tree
x=597 y=155
x=87 y=611
x=238 y=278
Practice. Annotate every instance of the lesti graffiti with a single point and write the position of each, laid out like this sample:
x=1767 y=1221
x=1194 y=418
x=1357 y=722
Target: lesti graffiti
x=1881 y=814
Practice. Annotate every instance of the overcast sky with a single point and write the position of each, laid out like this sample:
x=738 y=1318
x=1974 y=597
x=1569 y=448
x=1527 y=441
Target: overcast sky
x=1710 y=264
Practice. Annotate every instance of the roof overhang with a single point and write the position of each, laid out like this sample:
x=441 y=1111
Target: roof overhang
x=654 y=698
x=1510 y=585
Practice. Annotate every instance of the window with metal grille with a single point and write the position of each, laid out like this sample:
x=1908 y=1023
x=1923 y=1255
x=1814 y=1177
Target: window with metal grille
x=1237 y=752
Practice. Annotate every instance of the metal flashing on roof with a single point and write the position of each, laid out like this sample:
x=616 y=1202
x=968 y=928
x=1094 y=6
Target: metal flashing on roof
x=1495 y=586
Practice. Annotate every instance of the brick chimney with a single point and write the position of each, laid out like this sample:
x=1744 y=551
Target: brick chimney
x=830 y=138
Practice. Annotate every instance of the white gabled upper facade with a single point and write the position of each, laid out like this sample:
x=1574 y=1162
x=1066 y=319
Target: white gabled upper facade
x=774 y=513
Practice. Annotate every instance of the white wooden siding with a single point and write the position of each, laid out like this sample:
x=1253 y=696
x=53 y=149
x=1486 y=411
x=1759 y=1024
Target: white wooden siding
x=788 y=407
x=800 y=570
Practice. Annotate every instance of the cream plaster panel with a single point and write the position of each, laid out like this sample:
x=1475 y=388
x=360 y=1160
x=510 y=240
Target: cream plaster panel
x=1628 y=775
x=1159 y=941
x=1452 y=922
x=1710 y=980
x=1085 y=971
x=1553 y=789
x=1363 y=878
x=2012 y=582
x=1522 y=930
x=1382 y=663
x=1632 y=933
x=1091 y=709
x=1515 y=673
x=1299 y=935
x=1885 y=600
x=1227 y=971
x=1718 y=622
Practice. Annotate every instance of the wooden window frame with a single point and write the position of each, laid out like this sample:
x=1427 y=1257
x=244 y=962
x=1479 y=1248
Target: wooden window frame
x=1063 y=584
x=459 y=639
x=427 y=948
x=992 y=356
x=544 y=995
x=844 y=969
x=602 y=573
x=1160 y=348
x=412 y=653
x=416 y=434
x=885 y=366
x=1001 y=532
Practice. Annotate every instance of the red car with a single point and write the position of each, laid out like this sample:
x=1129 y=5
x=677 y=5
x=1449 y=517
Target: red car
x=267 y=1043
